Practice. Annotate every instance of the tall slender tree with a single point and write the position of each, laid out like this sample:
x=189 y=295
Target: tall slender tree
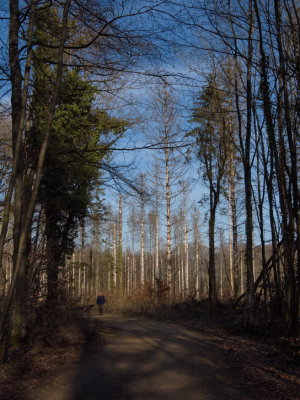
x=211 y=118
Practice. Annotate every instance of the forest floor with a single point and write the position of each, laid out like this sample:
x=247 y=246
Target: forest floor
x=114 y=357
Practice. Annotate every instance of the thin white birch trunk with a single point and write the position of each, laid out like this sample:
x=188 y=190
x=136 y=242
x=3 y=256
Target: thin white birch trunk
x=186 y=260
x=168 y=213
x=157 y=272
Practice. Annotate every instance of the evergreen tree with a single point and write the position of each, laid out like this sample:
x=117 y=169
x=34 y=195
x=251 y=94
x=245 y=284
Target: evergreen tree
x=71 y=170
x=79 y=140
x=210 y=116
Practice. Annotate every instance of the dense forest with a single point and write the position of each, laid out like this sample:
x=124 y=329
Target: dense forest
x=149 y=151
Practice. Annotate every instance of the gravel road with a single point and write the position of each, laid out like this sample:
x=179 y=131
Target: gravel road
x=146 y=360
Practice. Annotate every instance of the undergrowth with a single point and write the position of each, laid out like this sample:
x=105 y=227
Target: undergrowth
x=228 y=317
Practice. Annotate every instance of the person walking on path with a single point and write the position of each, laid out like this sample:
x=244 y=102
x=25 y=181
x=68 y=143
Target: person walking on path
x=100 y=303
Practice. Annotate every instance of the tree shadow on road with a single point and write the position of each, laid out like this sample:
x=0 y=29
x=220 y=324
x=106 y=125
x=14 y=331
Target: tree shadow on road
x=150 y=360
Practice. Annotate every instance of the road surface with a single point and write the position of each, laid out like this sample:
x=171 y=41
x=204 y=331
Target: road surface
x=147 y=360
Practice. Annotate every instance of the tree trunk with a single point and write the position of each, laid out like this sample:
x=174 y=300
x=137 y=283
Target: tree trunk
x=168 y=215
x=212 y=286
x=248 y=180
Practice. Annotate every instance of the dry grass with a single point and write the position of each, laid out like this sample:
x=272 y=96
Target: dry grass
x=53 y=348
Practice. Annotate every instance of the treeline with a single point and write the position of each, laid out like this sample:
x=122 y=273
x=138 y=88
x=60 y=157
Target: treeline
x=244 y=124
x=106 y=261
x=64 y=64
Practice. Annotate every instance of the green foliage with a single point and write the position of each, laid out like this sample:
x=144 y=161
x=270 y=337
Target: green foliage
x=211 y=119
x=71 y=171
x=80 y=138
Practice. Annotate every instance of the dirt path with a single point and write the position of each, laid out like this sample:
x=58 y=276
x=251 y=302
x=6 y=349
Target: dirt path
x=143 y=360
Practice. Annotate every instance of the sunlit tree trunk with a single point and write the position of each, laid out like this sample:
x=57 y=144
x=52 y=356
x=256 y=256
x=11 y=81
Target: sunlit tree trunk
x=168 y=212
x=142 y=232
x=120 y=245
x=114 y=272
x=186 y=260
x=157 y=271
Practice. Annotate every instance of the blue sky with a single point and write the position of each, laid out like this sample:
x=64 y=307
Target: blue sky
x=184 y=67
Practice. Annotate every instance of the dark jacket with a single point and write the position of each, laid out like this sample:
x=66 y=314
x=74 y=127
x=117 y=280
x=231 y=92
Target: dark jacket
x=100 y=300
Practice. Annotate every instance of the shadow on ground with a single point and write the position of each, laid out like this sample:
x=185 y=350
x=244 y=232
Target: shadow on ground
x=145 y=359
